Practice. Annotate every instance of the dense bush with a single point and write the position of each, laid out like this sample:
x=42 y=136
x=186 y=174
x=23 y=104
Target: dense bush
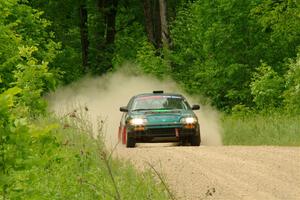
x=21 y=142
x=292 y=93
x=24 y=38
x=24 y=79
x=266 y=88
x=150 y=63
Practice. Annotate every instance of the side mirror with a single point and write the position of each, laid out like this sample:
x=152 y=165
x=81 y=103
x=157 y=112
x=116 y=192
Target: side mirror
x=123 y=109
x=195 y=107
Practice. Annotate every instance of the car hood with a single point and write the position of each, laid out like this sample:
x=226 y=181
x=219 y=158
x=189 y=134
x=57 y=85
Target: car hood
x=162 y=116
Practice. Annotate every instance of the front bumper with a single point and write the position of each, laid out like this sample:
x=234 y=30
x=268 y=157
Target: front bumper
x=162 y=133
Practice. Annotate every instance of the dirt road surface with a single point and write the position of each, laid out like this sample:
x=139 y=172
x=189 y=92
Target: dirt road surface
x=223 y=172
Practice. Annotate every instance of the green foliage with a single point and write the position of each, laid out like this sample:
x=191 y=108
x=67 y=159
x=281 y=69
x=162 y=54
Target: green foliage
x=59 y=160
x=150 y=63
x=128 y=43
x=292 y=93
x=211 y=50
x=279 y=29
x=16 y=23
x=218 y=44
x=241 y=110
x=266 y=87
x=63 y=16
x=39 y=158
x=19 y=146
x=131 y=44
x=216 y=48
x=33 y=78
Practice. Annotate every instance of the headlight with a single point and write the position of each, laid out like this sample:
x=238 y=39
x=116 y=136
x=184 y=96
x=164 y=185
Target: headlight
x=138 y=121
x=189 y=120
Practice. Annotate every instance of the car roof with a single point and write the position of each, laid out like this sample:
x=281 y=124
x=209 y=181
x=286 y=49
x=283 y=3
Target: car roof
x=158 y=94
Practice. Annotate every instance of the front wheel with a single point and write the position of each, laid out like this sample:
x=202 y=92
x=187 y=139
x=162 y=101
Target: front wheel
x=130 y=142
x=195 y=140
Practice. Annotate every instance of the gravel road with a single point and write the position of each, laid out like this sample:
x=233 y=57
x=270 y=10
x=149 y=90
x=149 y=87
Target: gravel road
x=223 y=172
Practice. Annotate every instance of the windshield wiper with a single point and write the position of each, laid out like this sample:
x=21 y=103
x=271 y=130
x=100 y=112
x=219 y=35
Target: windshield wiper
x=173 y=108
x=141 y=109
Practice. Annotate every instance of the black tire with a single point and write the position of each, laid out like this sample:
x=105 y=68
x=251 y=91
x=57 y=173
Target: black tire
x=195 y=140
x=130 y=142
x=184 y=141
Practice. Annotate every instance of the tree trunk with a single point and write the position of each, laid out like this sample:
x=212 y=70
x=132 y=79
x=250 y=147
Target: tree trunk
x=111 y=6
x=84 y=36
x=157 y=24
x=105 y=48
x=164 y=23
x=155 y=12
x=149 y=21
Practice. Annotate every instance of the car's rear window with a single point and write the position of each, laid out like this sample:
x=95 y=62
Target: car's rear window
x=159 y=102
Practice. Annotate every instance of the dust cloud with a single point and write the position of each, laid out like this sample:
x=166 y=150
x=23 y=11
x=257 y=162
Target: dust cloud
x=104 y=95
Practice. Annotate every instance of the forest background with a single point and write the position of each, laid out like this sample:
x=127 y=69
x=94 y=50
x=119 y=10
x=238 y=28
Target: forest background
x=242 y=57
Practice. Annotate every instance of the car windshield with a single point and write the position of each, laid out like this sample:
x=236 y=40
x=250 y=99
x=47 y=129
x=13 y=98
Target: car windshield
x=159 y=103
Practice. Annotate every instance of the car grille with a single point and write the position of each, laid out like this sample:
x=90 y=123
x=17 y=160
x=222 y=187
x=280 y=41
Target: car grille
x=163 y=132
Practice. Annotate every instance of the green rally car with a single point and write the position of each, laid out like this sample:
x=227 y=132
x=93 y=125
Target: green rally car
x=159 y=117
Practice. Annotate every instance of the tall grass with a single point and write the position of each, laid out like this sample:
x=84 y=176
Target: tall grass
x=72 y=164
x=262 y=129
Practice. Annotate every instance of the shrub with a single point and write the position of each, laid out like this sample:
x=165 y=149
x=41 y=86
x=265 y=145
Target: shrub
x=266 y=87
x=21 y=144
x=150 y=63
x=34 y=78
x=292 y=93
x=50 y=159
